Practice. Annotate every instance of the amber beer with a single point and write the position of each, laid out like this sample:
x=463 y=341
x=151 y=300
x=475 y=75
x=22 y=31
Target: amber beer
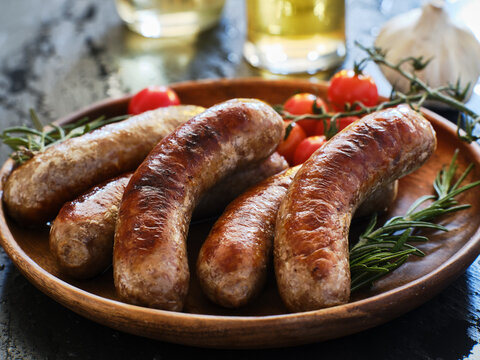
x=295 y=36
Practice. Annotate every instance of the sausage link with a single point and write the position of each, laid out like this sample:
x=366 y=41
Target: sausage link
x=81 y=236
x=149 y=261
x=311 y=236
x=36 y=190
x=232 y=263
x=379 y=201
x=213 y=203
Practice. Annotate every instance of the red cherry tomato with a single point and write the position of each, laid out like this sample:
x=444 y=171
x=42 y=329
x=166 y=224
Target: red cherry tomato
x=342 y=123
x=346 y=87
x=151 y=98
x=320 y=129
x=307 y=147
x=287 y=147
x=300 y=104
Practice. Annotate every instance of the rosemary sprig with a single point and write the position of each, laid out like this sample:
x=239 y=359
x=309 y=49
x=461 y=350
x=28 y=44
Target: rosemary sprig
x=356 y=109
x=451 y=95
x=26 y=142
x=381 y=250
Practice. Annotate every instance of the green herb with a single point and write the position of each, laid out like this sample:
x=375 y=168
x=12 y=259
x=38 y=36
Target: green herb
x=359 y=110
x=26 y=142
x=451 y=95
x=381 y=250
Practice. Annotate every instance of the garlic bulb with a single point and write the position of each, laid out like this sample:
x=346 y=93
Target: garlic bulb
x=429 y=32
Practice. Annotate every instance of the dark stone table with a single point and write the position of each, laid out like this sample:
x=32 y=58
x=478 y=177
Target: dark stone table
x=60 y=55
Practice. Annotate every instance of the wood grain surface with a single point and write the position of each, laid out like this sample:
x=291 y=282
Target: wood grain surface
x=265 y=323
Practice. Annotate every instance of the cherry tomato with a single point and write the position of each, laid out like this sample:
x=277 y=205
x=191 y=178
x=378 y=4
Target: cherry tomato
x=151 y=98
x=307 y=147
x=346 y=87
x=300 y=104
x=287 y=147
x=342 y=123
x=320 y=129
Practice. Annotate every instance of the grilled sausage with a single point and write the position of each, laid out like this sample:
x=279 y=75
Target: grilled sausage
x=149 y=261
x=36 y=190
x=213 y=203
x=311 y=236
x=81 y=236
x=232 y=263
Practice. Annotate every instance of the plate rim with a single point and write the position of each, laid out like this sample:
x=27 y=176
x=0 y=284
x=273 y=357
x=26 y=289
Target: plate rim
x=37 y=275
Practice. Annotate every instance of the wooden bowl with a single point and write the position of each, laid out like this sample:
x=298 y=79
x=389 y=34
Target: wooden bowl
x=265 y=322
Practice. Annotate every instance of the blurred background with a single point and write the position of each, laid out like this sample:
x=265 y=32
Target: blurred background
x=62 y=55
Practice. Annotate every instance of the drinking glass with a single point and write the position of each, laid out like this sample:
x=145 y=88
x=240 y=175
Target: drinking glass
x=295 y=36
x=169 y=18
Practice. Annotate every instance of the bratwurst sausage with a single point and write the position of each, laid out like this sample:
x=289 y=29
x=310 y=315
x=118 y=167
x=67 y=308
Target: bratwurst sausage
x=81 y=236
x=149 y=260
x=311 y=236
x=36 y=190
x=214 y=202
x=232 y=263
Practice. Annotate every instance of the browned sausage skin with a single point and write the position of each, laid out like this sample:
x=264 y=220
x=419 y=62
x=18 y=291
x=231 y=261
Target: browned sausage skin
x=150 y=262
x=379 y=201
x=81 y=236
x=36 y=190
x=232 y=263
x=311 y=237
x=213 y=203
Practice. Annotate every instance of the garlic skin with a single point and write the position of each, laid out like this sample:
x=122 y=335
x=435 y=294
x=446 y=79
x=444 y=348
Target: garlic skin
x=429 y=32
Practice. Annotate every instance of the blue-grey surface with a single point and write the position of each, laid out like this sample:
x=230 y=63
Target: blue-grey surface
x=61 y=55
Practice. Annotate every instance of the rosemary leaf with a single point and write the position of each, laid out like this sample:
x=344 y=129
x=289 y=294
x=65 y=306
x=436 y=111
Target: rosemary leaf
x=379 y=251
x=418 y=202
x=449 y=94
x=36 y=122
x=26 y=142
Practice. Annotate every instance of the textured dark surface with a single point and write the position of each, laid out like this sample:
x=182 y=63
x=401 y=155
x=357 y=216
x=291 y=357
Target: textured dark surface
x=61 y=55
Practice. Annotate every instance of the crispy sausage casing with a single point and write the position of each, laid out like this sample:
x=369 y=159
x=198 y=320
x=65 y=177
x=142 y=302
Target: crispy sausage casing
x=81 y=236
x=213 y=203
x=232 y=263
x=36 y=190
x=311 y=237
x=150 y=261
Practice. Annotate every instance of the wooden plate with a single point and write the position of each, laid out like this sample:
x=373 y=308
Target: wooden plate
x=266 y=322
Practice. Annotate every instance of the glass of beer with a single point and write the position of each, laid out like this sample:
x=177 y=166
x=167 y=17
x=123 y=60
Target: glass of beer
x=169 y=18
x=295 y=36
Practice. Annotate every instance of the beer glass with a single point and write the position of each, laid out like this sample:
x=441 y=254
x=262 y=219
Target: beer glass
x=295 y=36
